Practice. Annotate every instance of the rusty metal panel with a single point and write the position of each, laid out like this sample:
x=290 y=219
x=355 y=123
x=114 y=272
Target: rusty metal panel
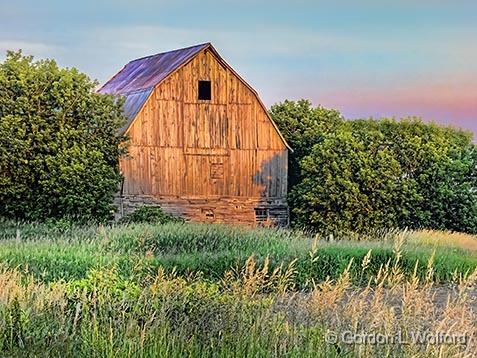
x=139 y=77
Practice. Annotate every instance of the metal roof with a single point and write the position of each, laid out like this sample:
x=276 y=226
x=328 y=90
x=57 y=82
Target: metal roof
x=133 y=104
x=138 y=78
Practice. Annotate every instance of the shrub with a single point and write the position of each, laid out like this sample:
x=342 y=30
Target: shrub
x=106 y=281
x=59 y=142
x=360 y=175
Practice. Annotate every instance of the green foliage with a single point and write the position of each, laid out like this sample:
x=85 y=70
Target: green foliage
x=171 y=317
x=106 y=281
x=69 y=292
x=303 y=126
x=50 y=261
x=189 y=238
x=149 y=215
x=246 y=309
x=357 y=176
x=59 y=142
x=346 y=189
x=438 y=170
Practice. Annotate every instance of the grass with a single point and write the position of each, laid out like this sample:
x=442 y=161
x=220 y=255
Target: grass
x=448 y=240
x=104 y=315
x=50 y=254
x=210 y=290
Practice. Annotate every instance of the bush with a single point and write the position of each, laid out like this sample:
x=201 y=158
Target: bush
x=357 y=176
x=345 y=188
x=59 y=142
x=438 y=168
x=303 y=126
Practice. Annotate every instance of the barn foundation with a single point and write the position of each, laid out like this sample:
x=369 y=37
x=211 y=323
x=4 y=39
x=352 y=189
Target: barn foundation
x=243 y=211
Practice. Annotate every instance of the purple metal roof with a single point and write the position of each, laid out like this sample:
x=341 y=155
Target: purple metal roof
x=137 y=79
x=133 y=104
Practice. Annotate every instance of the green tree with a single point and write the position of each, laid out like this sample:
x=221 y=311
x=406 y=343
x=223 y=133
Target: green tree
x=439 y=162
x=59 y=142
x=350 y=183
x=303 y=126
x=362 y=175
x=451 y=201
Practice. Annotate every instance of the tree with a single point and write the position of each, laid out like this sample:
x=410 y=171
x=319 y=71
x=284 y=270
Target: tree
x=303 y=126
x=59 y=142
x=440 y=163
x=362 y=175
x=350 y=183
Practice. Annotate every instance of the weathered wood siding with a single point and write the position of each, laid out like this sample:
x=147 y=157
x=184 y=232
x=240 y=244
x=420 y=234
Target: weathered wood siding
x=193 y=156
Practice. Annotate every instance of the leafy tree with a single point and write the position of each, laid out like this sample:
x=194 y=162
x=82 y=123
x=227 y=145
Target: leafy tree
x=350 y=183
x=59 y=142
x=439 y=162
x=365 y=174
x=303 y=126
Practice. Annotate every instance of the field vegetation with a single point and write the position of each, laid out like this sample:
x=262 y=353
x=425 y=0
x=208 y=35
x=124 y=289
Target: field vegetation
x=53 y=253
x=181 y=289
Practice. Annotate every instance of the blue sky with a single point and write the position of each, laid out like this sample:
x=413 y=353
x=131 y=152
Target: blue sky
x=366 y=58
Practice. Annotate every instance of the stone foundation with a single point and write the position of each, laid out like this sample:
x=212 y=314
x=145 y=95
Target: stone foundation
x=247 y=211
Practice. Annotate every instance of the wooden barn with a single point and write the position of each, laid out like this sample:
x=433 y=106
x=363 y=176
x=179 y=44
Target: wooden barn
x=202 y=144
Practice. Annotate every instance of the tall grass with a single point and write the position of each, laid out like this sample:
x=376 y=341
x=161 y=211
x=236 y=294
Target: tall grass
x=104 y=315
x=137 y=250
x=195 y=290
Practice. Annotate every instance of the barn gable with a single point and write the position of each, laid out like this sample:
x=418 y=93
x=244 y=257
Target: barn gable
x=137 y=79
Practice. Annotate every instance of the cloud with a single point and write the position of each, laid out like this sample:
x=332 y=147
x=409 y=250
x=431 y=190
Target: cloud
x=28 y=47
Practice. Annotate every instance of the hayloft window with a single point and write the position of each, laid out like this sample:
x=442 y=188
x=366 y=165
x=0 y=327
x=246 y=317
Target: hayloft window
x=205 y=90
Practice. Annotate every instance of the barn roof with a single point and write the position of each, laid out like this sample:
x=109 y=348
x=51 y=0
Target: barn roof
x=137 y=79
x=146 y=72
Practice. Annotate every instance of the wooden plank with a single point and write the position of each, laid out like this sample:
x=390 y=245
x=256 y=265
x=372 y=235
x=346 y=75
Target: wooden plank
x=205 y=126
x=242 y=126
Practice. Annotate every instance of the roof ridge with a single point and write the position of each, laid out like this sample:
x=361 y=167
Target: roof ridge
x=177 y=49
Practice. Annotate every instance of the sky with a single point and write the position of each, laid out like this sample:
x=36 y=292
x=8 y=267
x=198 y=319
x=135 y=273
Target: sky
x=365 y=58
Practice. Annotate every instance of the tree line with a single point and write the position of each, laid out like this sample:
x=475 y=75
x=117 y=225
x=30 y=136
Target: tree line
x=360 y=175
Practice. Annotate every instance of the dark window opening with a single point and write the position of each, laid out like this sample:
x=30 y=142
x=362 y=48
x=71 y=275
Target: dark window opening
x=205 y=92
x=261 y=215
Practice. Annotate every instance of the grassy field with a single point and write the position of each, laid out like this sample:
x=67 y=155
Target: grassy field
x=209 y=290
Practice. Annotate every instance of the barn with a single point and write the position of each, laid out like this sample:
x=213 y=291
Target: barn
x=202 y=144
